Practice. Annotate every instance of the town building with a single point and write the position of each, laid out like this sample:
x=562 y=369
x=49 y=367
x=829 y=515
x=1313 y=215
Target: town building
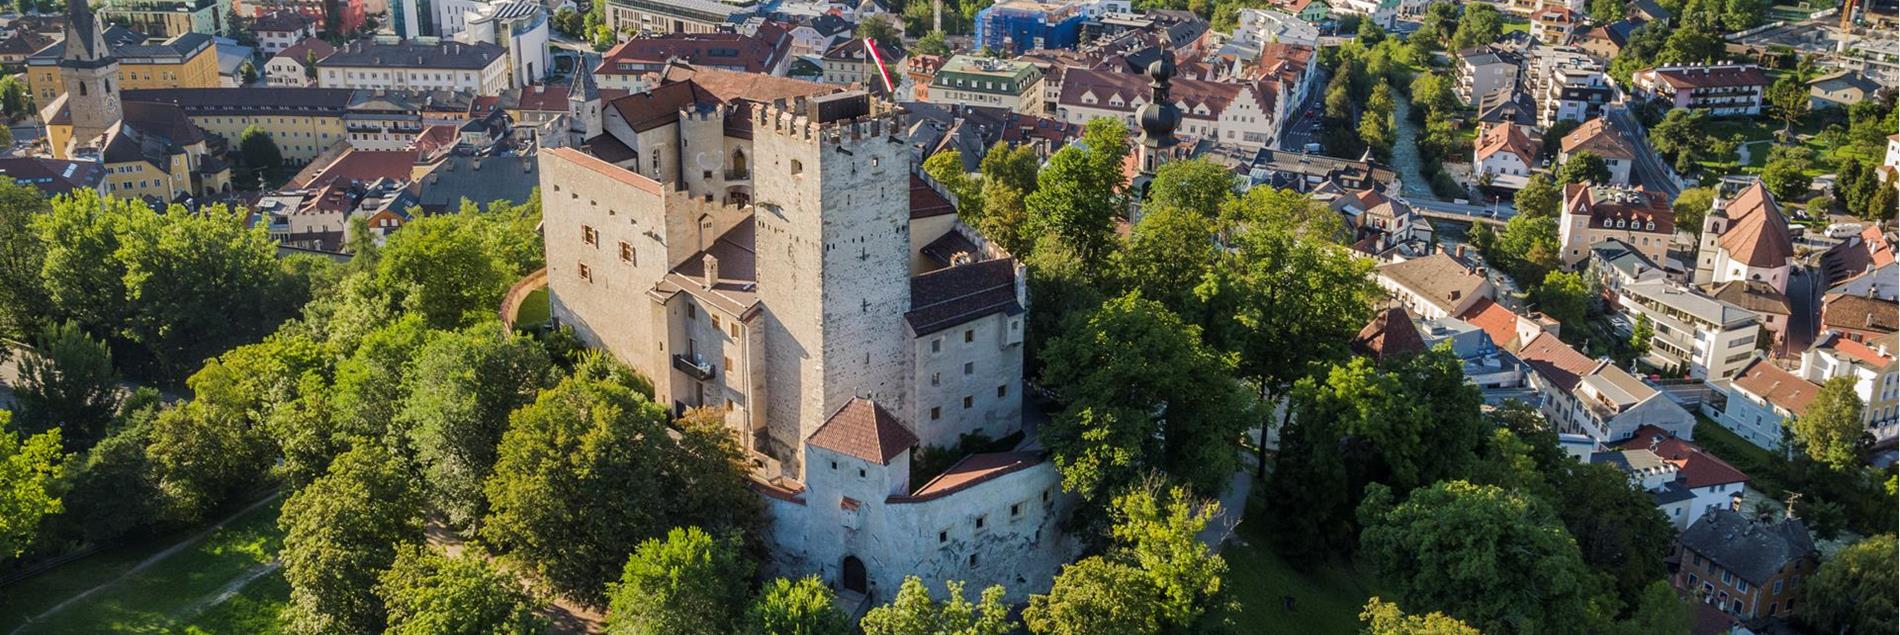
x=1015 y=26
x=1762 y=400
x=1593 y=397
x=1594 y=213
x=351 y=15
x=1487 y=69
x=279 y=30
x=54 y=177
x=852 y=62
x=1840 y=89
x=427 y=64
x=1390 y=336
x=1746 y=238
x=1435 y=286
x=1614 y=264
x=1685 y=481
x=303 y=122
x=1606 y=41
x=1384 y=13
x=1861 y=318
x=1759 y=298
x=168 y=18
x=790 y=282
x=966 y=80
x=1745 y=567
x=1507 y=105
x=297 y=66
x=410 y=19
x=1701 y=336
x=1505 y=157
x=1570 y=86
x=520 y=28
x=1722 y=90
x=1388 y=230
x=1875 y=374
x=188 y=60
x=1555 y=24
x=675 y=16
x=1256 y=27
x=1601 y=137
x=1313 y=173
x=635 y=64
x=1242 y=114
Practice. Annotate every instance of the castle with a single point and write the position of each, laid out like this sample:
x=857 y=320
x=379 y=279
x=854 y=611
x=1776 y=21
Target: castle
x=764 y=247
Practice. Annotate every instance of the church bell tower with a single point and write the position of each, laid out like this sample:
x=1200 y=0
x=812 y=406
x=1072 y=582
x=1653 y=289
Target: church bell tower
x=90 y=74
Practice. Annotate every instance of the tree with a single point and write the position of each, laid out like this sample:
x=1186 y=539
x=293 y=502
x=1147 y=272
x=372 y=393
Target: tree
x=67 y=383
x=913 y=612
x=1094 y=595
x=29 y=470
x=340 y=533
x=15 y=100
x=1493 y=558
x=1157 y=529
x=689 y=583
x=1584 y=167
x=1830 y=429
x=1606 y=11
x=931 y=43
x=1540 y=197
x=588 y=469
x=1196 y=185
x=1167 y=255
x=23 y=298
x=803 y=607
x=1140 y=391
x=459 y=390
x=1386 y=618
x=1481 y=24
x=1691 y=206
x=442 y=268
x=1528 y=246
x=1078 y=193
x=372 y=384
x=1564 y=296
x=1659 y=610
x=1642 y=334
x=428 y=593
x=1788 y=100
x=1854 y=591
x=202 y=456
x=1787 y=173
x=114 y=490
x=879 y=29
x=259 y=149
x=1618 y=529
x=1682 y=136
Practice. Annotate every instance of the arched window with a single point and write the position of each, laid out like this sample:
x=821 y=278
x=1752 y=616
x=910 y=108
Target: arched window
x=797 y=167
x=853 y=577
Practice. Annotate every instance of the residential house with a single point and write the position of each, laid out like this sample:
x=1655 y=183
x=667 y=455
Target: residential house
x=1385 y=227
x=1606 y=41
x=1435 y=286
x=1762 y=400
x=1264 y=26
x=1593 y=213
x=279 y=30
x=1722 y=90
x=1746 y=567
x=168 y=18
x=1505 y=157
x=1746 y=238
x=967 y=80
x=1758 y=297
x=1875 y=374
x=1704 y=337
x=1614 y=264
x=1310 y=173
x=1487 y=69
x=1507 y=105
x=1601 y=137
x=1554 y=24
x=189 y=60
x=1595 y=398
x=53 y=177
x=1859 y=318
x=1390 y=335
x=480 y=68
x=1569 y=85
x=1015 y=26
x=852 y=62
x=1684 y=480
x=1246 y=114
x=296 y=66
x=1840 y=89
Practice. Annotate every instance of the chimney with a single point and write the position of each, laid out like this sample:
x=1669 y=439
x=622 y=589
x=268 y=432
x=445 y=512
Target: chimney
x=1461 y=251
x=712 y=271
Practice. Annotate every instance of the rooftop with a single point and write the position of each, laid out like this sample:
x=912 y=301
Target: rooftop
x=1777 y=386
x=1757 y=234
x=416 y=54
x=1600 y=137
x=865 y=430
x=1675 y=296
x=1754 y=549
x=957 y=294
x=1439 y=278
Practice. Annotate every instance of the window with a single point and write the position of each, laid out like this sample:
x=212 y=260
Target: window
x=797 y=167
x=1771 y=607
x=968 y=400
x=943 y=537
x=626 y=253
x=589 y=236
x=1737 y=606
x=1741 y=585
x=692 y=312
x=969 y=335
x=834 y=465
x=1015 y=509
x=969 y=368
x=727 y=360
x=936 y=379
x=980 y=520
x=936 y=345
x=1727 y=578
x=733 y=328
x=585 y=273
x=1002 y=390
x=1777 y=589
x=715 y=321
x=936 y=413
x=860 y=472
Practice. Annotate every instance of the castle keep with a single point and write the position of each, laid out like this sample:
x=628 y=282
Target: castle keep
x=762 y=246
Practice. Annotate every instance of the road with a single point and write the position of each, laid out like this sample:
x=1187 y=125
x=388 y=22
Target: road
x=1649 y=169
x=1500 y=211
x=1304 y=128
x=1804 y=299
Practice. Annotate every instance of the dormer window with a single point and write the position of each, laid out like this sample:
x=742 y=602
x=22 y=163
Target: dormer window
x=1606 y=222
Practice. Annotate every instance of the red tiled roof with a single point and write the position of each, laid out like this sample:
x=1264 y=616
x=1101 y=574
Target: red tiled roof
x=1758 y=235
x=1695 y=466
x=1600 y=137
x=864 y=430
x=543 y=98
x=1691 y=77
x=366 y=165
x=1778 y=386
x=1496 y=321
x=1862 y=352
x=1637 y=206
x=301 y=51
x=629 y=177
x=969 y=472
x=1390 y=333
x=1859 y=313
x=1504 y=137
x=752 y=54
x=1556 y=361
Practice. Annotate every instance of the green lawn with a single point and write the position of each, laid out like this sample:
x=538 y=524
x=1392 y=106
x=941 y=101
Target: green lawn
x=160 y=598
x=254 y=611
x=534 y=308
x=1758 y=464
x=1324 y=601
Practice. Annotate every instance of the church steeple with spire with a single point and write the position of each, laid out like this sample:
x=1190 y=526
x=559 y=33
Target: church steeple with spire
x=90 y=74
x=1159 y=117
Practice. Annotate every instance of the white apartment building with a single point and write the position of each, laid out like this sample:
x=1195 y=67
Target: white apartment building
x=1256 y=27
x=419 y=64
x=1505 y=157
x=1595 y=398
x=1710 y=339
x=518 y=27
x=1487 y=69
x=1876 y=376
x=1568 y=84
x=1601 y=137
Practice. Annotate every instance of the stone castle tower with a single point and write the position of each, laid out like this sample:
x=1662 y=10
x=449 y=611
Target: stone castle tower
x=90 y=74
x=831 y=181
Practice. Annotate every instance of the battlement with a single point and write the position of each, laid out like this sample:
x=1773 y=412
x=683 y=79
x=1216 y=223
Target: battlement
x=836 y=119
x=714 y=114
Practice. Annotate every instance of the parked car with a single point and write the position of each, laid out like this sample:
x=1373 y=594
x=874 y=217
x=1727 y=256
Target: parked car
x=1314 y=147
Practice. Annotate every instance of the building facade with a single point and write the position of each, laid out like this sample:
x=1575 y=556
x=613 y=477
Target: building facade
x=1722 y=90
x=980 y=81
x=426 y=64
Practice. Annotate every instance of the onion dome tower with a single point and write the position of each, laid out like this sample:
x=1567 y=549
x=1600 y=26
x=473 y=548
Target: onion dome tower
x=1159 y=117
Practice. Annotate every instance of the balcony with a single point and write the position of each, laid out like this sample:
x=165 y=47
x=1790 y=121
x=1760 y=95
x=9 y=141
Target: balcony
x=696 y=368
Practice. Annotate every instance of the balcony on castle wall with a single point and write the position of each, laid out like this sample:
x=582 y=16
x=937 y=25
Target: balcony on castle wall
x=696 y=368
x=740 y=174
